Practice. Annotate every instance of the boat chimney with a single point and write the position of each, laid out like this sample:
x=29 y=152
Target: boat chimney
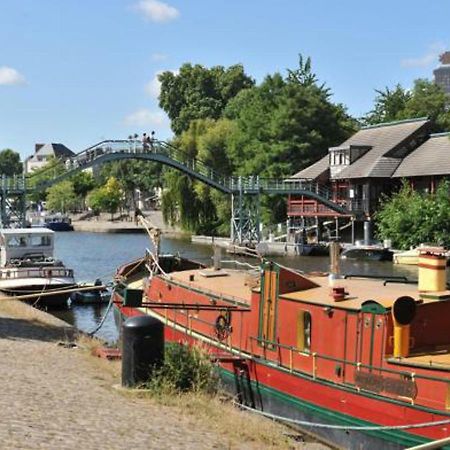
x=432 y=269
x=403 y=312
x=217 y=258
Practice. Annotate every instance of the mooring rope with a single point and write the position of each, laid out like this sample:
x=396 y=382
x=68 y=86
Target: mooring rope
x=343 y=427
x=108 y=308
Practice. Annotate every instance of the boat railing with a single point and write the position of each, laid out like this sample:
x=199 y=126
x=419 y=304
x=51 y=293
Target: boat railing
x=277 y=346
x=34 y=272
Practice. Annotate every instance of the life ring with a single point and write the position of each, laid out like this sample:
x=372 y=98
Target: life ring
x=222 y=327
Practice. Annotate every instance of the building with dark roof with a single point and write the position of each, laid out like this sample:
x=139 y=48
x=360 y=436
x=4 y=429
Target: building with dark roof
x=362 y=168
x=442 y=73
x=44 y=152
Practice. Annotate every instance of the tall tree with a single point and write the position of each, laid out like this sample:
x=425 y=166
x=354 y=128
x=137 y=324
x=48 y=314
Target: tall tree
x=425 y=99
x=197 y=92
x=10 y=163
x=61 y=197
x=270 y=130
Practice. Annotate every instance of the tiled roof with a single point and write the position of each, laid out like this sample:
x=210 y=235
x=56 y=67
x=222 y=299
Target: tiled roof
x=430 y=158
x=314 y=170
x=384 y=140
x=55 y=149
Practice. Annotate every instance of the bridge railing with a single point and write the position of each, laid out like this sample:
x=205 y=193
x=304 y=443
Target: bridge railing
x=247 y=184
x=15 y=183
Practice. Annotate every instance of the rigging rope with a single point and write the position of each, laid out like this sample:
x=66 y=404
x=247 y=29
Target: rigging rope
x=343 y=427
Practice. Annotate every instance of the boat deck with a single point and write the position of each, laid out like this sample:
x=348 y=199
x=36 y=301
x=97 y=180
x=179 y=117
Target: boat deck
x=231 y=284
x=359 y=292
x=436 y=360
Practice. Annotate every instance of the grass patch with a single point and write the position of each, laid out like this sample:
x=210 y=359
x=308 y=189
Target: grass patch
x=185 y=369
x=189 y=381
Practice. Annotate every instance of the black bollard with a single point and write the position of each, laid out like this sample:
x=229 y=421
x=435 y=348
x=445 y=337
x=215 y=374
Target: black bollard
x=142 y=349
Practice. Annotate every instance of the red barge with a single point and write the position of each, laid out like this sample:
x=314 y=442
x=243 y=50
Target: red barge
x=362 y=359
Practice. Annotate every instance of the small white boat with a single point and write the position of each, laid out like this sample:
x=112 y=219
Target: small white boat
x=411 y=256
x=408 y=257
x=28 y=268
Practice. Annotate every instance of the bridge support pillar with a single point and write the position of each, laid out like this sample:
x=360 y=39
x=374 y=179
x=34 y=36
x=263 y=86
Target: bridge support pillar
x=245 y=218
x=12 y=201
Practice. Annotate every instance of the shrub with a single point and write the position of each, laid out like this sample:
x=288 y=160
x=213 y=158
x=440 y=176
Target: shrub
x=185 y=369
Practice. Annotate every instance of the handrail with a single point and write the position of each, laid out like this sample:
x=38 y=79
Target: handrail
x=351 y=363
x=251 y=185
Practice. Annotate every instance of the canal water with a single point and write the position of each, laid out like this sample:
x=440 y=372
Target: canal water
x=97 y=255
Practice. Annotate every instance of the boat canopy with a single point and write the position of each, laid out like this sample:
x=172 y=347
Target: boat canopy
x=22 y=243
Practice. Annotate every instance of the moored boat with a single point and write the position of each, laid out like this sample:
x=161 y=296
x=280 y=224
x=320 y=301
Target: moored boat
x=95 y=296
x=28 y=268
x=58 y=222
x=368 y=253
x=367 y=359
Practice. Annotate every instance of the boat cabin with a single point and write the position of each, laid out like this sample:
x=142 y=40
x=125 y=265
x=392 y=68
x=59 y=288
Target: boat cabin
x=21 y=244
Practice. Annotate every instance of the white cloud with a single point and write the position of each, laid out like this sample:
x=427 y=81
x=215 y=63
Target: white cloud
x=430 y=57
x=153 y=87
x=157 y=11
x=159 y=57
x=10 y=77
x=144 y=117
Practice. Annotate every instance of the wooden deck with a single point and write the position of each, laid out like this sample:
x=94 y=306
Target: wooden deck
x=234 y=284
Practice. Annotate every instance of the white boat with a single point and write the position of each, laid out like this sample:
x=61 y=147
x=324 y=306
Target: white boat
x=408 y=257
x=411 y=257
x=28 y=267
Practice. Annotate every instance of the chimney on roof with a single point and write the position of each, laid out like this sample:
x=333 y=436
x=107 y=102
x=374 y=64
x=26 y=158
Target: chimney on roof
x=37 y=147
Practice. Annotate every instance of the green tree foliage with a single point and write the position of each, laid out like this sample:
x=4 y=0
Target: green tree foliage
x=195 y=206
x=83 y=182
x=285 y=124
x=197 y=92
x=134 y=174
x=51 y=170
x=410 y=218
x=10 y=163
x=61 y=197
x=426 y=99
x=271 y=130
x=106 y=198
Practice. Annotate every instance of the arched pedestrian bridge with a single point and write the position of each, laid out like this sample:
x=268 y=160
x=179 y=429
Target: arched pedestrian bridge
x=244 y=191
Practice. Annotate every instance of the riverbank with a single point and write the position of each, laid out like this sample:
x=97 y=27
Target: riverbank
x=123 y=224
x=57 y=396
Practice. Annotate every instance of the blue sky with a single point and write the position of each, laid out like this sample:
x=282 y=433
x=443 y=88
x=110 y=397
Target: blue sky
x=80 y=71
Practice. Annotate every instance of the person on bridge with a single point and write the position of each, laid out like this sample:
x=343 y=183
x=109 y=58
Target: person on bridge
x=145 y=143
x=152 y=142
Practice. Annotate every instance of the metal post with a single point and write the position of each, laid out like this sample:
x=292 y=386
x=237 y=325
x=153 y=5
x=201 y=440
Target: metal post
x=353 y=230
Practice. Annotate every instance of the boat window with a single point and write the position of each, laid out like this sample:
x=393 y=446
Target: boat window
x=17 y=241
x=40 y=241
x=304 y=331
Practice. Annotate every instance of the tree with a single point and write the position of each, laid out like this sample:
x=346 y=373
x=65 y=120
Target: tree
x=134 y=174
x=426 y=99
x=38 y=177
x=83 y=182
x=390 y=105
x=197 y=92
x=410 y=218
x=106 y=198
x=10 y=164
x=61 y=197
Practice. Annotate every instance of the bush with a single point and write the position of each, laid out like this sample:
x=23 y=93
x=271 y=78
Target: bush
x=185 y=369
x=410 y=218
